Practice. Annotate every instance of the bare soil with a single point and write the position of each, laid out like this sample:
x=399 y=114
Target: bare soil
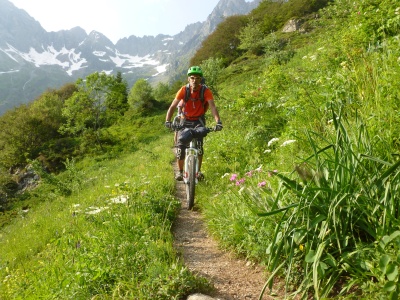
x=233 y=278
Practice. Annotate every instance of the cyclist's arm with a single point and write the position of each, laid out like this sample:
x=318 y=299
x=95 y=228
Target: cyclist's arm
x=171 y=110
x=214 y=110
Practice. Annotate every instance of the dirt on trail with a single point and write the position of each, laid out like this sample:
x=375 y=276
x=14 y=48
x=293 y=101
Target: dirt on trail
x=232 y=278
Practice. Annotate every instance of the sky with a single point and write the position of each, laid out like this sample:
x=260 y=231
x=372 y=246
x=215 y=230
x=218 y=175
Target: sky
x=117 y=19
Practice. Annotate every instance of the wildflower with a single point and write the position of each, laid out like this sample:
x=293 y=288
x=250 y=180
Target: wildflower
x=233 y=177
x=272 y=173
x=96 y=210
x=301 y=247
x=262 y=184
x=272 y=141
x=240 y=181
x=249 y=174
x=119 y=199
x=287 y=143
x=226 y=174
x=267 y=151
x=259 y=169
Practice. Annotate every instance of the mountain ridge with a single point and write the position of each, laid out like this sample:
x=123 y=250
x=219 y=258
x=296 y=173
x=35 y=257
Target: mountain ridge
x=33 y=60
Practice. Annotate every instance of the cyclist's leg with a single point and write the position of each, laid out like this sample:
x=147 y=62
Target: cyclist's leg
x=180 y=158
x=200 y=157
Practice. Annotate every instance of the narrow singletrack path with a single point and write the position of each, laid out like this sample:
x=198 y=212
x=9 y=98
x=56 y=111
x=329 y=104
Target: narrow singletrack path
x=232 y=278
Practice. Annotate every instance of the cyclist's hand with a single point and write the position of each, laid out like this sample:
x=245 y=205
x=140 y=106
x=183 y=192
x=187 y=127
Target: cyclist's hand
x=218 y=127
x=168 y=124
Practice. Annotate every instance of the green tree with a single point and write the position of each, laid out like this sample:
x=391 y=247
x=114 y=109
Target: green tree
x=212 y=68
x=86 y=111
x=28 y=129
x=251 y=37
x=223 y=42
x=162 y=92
x=116 y=99
x=14 y=138
x=140 y=97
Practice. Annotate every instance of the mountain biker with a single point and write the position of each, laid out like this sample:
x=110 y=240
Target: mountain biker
x=193 y=111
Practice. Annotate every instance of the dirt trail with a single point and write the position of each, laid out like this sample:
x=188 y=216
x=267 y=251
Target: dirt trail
x=232 y=278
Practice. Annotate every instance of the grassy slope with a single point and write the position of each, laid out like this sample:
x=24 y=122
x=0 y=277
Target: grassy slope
x=84 y=245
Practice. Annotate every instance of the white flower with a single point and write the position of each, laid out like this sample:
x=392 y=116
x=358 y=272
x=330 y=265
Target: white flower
x=96 y=210
x=267 y=151
x=287 y=142
x=119 y=199
x=272 y=141
x=226 y=174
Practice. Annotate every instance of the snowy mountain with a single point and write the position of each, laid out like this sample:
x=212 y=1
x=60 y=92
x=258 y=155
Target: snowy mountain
x=33 y=60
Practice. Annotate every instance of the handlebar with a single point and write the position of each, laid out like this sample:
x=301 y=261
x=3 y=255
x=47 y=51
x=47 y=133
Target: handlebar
x=177 y=127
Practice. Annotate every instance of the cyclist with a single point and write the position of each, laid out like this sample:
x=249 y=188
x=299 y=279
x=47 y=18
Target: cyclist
x=193 y=111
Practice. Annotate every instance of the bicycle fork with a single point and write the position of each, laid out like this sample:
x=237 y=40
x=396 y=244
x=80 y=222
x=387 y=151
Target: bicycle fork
x=191 y=151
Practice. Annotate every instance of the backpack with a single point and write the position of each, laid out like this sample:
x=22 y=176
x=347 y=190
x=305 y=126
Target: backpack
x=202 y=90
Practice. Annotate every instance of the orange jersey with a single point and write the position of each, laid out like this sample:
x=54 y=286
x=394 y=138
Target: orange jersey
x=194 y=107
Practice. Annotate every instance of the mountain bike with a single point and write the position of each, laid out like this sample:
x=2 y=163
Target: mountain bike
x=191 y=163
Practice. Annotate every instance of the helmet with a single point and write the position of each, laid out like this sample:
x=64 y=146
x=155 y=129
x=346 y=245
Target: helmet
x=195 y=70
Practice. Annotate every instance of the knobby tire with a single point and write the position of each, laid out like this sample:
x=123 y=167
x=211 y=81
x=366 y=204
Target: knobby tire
x=191 y=184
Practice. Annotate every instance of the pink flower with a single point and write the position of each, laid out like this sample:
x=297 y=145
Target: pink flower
x=262 y=183
x=250 y=173
x=240 y=181
x=233 y=177
x=270 y=173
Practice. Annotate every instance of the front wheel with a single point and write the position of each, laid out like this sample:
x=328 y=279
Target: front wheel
x=191 y=183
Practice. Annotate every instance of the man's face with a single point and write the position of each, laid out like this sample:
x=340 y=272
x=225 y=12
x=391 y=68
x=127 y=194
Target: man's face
x=195 y=81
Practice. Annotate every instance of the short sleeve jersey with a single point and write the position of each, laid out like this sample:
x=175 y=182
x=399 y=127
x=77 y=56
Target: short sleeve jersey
x=194 y=108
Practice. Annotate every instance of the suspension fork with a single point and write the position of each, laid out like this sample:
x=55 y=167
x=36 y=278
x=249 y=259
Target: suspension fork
x=191 y=151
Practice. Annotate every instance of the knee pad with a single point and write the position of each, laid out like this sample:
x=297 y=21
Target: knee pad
x=200 y=147
x=180 y=153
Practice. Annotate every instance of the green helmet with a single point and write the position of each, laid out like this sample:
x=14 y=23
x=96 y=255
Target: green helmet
x=195 y=70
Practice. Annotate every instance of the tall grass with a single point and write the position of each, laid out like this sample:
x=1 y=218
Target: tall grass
x=334 y=217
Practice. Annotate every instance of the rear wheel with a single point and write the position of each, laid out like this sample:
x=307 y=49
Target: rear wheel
x=191 y=183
